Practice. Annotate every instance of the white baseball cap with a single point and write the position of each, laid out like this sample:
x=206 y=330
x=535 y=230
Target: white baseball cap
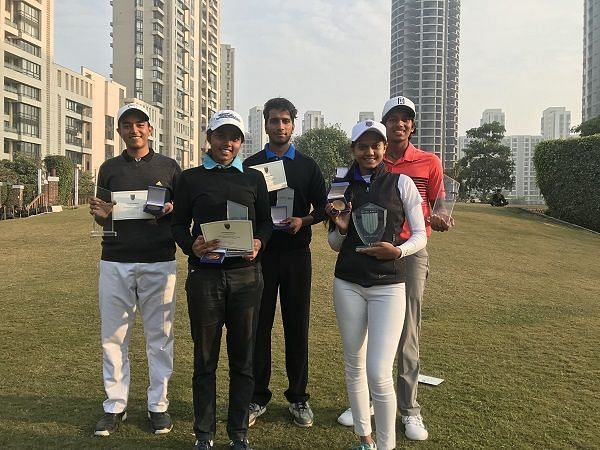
x=367 y=125
x=396 y=102
x=132 y=107
x=226 y=117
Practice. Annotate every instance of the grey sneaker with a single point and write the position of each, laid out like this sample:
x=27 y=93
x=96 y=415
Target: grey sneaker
x=303 y=415
x=254 y=412
x=109 y=423
x=160 y=421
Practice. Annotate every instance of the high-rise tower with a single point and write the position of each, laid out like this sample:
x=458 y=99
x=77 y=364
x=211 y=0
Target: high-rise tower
x=590 y=107
x=424 y=67
x=166 y=53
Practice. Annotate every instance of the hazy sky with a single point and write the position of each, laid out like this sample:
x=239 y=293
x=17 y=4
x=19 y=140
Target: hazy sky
x=333 y=55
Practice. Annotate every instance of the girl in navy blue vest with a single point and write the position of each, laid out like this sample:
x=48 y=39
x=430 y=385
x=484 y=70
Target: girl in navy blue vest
x=368 y=288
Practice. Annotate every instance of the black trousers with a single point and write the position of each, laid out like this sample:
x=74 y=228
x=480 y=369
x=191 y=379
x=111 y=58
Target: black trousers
x=218 y=297
x=288 y=272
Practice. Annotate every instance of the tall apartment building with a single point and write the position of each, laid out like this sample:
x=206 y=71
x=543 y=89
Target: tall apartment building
x=312 y=120
x=522 y=148
x=166 y=54
x=555 y=123
x=208 y=67
x=227 y=97
x=424 y=67
x=366 y=115
x=256 y=137
x=492 y=115
x=590 y=103
x=27 y=29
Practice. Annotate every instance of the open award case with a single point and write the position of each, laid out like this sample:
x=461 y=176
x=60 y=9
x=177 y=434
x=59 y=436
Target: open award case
x=446 y=199
x=278 y=215
x=103 y=226
x=155 y=202
x=336 y=197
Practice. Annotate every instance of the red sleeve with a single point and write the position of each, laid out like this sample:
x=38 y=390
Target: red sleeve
x=435 y=184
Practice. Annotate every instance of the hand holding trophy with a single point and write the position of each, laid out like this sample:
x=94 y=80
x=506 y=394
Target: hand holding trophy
x=441 y=214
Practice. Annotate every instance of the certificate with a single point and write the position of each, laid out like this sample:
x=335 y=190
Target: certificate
x=232 y=234
x=130 y=205
x=274 y=174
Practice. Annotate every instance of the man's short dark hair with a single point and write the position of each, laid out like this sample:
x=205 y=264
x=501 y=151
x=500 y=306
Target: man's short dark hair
x=280 y=104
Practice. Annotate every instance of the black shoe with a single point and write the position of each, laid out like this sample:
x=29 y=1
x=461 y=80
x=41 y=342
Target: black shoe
x=109 y=423
x=203 y=445
x=160 y=421
x=240 y=444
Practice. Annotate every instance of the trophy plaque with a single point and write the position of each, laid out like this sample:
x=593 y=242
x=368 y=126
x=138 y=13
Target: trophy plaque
x=336 y=197
x=445 y=200
x=103 y=226
x=369 y=222
x=155 y=202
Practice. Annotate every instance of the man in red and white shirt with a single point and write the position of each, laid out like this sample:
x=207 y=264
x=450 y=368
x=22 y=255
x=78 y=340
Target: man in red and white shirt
x=425 y=169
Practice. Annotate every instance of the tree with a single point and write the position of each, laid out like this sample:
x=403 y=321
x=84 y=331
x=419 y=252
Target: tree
x=21 y=170
x=329 y=147
x=589 y=127
x=486 y=165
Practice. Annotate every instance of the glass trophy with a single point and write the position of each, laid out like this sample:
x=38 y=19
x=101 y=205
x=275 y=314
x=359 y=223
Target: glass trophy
x=446 y=199
x=103 y=223
x=285 y=197
x=235 y=211
x=278 y=215
x=336 y=197
x=369 y=221
x=155 y=202
x=341 y=172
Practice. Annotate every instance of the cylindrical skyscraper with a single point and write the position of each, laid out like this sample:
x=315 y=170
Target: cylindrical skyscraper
x=424 y=67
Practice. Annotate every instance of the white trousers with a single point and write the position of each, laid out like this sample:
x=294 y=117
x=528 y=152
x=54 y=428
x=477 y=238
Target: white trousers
x=123 y=289
x=368 y=320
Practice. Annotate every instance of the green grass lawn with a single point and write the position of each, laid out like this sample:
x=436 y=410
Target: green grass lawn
x=511 y=320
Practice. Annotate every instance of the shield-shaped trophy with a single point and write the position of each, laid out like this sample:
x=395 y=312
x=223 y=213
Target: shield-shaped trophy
x=369 y=222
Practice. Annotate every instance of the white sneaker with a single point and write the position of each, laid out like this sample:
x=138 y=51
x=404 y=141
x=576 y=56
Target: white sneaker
x=414 y=429
x=346 y=418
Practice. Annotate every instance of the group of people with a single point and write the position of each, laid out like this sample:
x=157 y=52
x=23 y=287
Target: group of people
x=377 y=289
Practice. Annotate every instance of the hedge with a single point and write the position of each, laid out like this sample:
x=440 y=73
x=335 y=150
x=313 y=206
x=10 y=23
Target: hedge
x=65 y=170
x=568 y=175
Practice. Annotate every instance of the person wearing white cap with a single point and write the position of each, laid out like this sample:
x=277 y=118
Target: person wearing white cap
x=222 y=291
x=137 y=272
x=368 y=288
x=425 y=168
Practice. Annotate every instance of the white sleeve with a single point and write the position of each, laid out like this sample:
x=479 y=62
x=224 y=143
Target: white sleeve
x=335 y=239
x=413 y=212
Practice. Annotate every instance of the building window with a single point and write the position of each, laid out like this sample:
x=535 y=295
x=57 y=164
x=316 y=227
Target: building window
x=27 y=149
x=109 y=127
x=109 y=151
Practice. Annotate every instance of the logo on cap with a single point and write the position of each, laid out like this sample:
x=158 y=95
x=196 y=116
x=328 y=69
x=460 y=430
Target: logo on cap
x=369 y=123
x=227 y=115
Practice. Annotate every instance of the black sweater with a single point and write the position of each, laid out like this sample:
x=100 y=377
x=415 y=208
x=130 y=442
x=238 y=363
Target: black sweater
x=305 y=178
x=141 y=241
x=202 y=196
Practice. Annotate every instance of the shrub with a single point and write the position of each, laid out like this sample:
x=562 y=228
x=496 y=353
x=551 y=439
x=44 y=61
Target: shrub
x=568 y=173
